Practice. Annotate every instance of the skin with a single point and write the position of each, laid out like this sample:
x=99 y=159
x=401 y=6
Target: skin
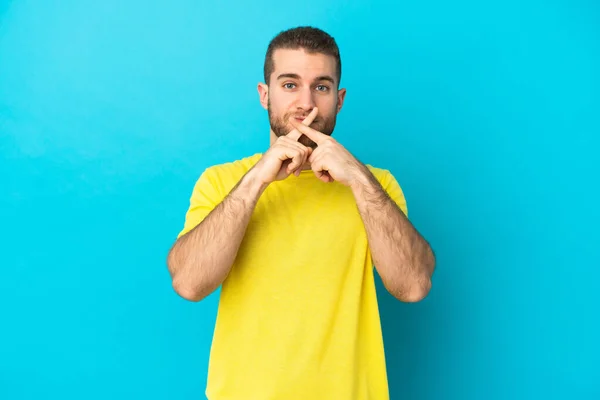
x=303 y=101
x=402 y=257
x=300 y=82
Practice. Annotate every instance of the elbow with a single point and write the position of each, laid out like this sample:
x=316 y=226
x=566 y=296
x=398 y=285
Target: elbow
x=417 y=292
x=186 y=291
x=181 y=284
x=422 y=285
x=413 y=293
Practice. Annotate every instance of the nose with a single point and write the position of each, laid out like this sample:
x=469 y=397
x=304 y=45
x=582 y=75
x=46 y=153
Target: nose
x=306 y=101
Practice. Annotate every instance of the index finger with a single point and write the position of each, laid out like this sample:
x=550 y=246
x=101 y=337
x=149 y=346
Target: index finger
x=294 y=133
x=312 y=134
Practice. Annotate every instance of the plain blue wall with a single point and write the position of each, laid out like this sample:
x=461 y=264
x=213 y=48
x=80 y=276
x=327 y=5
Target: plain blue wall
x=486 y=112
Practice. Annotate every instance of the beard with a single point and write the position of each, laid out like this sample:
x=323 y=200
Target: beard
x=281 y=127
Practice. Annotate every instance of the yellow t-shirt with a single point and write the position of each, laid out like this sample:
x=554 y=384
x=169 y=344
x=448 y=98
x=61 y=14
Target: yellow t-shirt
x=298 y=315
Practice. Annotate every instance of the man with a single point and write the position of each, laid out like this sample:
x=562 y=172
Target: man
x=293 y=236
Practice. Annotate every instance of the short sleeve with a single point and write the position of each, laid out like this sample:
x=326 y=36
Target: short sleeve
x=205 y=197
x=393 y=189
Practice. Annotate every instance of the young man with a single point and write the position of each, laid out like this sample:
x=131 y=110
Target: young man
x=293 y=236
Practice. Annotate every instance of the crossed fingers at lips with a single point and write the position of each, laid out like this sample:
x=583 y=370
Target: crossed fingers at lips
x=330 y=160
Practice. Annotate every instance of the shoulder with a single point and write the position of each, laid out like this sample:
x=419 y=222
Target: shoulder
x=240 y=166
x=234 y=169
x=224 y=176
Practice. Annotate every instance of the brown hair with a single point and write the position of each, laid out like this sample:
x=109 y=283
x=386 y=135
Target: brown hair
x=313 y=40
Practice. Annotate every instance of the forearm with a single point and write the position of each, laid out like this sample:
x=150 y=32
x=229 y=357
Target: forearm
x=402 y=257
x=201 y=259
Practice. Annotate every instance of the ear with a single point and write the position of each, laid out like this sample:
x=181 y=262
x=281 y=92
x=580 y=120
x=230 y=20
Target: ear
x=263 y=93
x=341 y=96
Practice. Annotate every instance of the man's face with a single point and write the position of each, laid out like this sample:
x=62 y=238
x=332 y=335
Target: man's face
x=301 y=81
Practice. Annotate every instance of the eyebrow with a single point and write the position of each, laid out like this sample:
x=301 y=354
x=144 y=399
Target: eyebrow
x=317 y=79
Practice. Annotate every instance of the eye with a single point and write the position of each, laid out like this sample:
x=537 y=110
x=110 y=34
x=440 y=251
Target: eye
x=322 y=88
x=289 y=85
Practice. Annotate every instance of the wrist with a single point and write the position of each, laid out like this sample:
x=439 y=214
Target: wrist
x=252 y=182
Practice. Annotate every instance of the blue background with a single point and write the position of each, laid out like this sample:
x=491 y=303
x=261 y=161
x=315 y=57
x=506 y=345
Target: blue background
x=486 y=112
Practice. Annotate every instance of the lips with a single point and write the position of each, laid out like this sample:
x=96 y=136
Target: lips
x=300 y=119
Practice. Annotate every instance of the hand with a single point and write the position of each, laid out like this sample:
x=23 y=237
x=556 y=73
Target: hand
x=330 y=160
x=285 y=156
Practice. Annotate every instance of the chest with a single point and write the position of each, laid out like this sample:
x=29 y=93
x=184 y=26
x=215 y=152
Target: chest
x=304 y=224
